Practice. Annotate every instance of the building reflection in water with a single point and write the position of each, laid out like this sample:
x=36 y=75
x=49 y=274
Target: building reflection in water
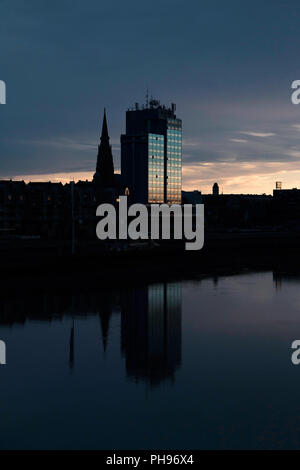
x=285 y=277
x=151 y=332
x=150 y=323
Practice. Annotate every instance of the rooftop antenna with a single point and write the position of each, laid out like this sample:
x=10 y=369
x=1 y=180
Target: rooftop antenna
x=147 y=98
x=73 y=217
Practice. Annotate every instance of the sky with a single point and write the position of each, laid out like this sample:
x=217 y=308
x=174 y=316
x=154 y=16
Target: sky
x=228 y=66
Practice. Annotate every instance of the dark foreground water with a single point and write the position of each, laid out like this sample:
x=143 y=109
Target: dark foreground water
x=188 y=365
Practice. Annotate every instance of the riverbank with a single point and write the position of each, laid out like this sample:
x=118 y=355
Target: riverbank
x=32 y=263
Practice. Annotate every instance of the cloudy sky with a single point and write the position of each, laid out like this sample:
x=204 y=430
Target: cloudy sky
x=228 y=65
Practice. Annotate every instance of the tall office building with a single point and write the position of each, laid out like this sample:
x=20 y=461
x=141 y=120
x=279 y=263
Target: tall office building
x=151 y=154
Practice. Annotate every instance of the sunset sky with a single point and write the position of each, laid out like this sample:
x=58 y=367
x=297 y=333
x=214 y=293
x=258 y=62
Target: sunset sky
x=227 y=65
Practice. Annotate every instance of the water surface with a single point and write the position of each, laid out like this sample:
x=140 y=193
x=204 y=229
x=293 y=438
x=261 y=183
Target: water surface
x=187 y=365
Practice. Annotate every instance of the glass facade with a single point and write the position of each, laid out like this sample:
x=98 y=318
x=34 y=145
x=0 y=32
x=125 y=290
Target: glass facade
x=174 y=157
x=156 y=168
x=151 y=154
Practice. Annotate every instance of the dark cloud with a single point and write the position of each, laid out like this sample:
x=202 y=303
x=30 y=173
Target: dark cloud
x=227 y=65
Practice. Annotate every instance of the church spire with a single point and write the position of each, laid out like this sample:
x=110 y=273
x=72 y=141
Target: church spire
x=104 y=134
x=104 y=176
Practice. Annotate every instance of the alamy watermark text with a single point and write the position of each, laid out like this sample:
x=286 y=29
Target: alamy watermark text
x=2 y=353
x=188 y=222
x=2 y=92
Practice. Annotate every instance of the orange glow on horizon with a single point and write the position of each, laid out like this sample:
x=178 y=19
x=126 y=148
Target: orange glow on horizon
x=232 y=177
